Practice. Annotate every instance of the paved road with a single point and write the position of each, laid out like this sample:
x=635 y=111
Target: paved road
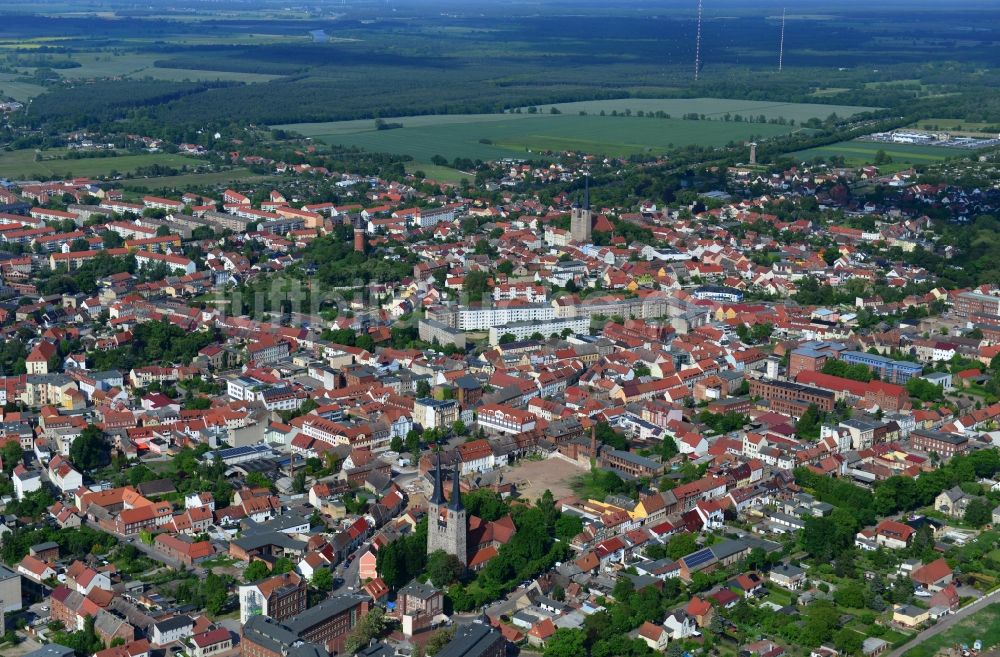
x=945 y=623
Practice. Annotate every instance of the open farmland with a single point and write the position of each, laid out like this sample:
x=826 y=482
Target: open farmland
x=22 y=164
x=22 y=91
x=180 y=74
x=491 y=137
x=712 y=108
x=857 y=153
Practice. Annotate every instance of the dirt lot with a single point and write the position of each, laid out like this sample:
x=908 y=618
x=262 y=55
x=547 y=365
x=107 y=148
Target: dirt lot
x=533 y=477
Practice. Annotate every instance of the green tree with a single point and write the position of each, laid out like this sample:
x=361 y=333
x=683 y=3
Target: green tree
x=566 y=642
x=215 y=590
x=808 y=425
x=371 y=625
x=11 y=453
x=443 y=569
x=848 y=641
x=256 y=571
x=978 y=512
x=680 y=545
x=322 y=580
x=439 y=640
x=90 y=451
x=850 y=594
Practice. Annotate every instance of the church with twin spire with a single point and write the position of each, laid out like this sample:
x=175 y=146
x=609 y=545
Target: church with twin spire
x=447 y=525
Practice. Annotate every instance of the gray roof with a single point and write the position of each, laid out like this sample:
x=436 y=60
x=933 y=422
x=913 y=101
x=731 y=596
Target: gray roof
x=259 y=540
x=173 y=623
x=324 y=610
x=728 y=548
x=7 y=573
x=418 y=590
x=471 y=640
x=51 y=650
x=269 y=633
x=787 y=570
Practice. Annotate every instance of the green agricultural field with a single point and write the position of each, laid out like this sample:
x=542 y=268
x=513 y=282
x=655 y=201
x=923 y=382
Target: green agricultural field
x=858 y=153
x=491 y=137
x=710 y=107
x=983 y=625
x=22 y=165
x=107 y=64
x=9 y=86
x=957 y=126
x=181 y=74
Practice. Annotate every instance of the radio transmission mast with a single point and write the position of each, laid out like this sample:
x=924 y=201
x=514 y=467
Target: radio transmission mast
x=781 y=44
x=697 y=46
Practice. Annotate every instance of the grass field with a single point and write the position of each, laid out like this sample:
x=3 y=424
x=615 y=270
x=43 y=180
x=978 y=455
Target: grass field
x=983 y=625
x=18 y=90
x=956 y=126
x=491 y=137
x=185 y=182
x=22 y=165
x=857 y=153
x=439 y=173
x=710 y=107
x=181 y=74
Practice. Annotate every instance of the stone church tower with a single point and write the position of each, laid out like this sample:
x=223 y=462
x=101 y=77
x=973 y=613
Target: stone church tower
x=447 y=526
x=581 y=220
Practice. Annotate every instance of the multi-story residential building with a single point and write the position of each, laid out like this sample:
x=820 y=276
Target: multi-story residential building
x=546 y=328
x=889 y=370
x=25 y=481
x=631 y=464
x=431 y=330
x=968 y=304
x=791 y=398
x=503 y=419
x=172 y=629
x=530 y=292
x=435 y=413
x=278 y=597
x=327 y=624
x=945 y=445
x=10 y=591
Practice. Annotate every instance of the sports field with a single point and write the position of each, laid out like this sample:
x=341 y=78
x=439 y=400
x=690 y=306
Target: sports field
x=496 y=136
x=21 y=165
x=857 y=153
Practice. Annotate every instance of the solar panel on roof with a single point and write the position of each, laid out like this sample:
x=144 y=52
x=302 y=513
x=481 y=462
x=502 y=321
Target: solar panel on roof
x=698 y=558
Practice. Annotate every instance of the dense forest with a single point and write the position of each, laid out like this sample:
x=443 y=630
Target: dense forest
x=423 y=62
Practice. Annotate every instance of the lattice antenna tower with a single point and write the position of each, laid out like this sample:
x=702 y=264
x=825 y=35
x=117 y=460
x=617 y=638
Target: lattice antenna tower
x=781 y=43
x=697 y=45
